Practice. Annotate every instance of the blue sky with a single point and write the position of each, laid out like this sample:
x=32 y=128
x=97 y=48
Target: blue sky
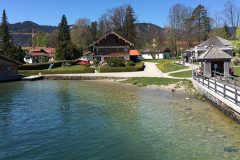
x=49 y=12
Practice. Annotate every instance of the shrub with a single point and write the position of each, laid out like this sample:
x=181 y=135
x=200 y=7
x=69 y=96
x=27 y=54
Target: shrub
x=41 y=66
x=235 y=62
x=116 y=61
x=44 y=59
x=87 y=65
x=36 y=72
x=137 y=67
x=130 y=63
x=96 y=63
x=121 y=65
x=112 y=65
x=177 y=58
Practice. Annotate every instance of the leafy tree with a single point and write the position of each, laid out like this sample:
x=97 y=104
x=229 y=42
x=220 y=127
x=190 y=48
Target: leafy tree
x=52 y=39
x=66 y=50
x=42 y=40
x=237 y=41
x=96 y=63
x=218 y=31
x=16 y=53
x=63 y=29
x=153 y=53
x=4 y=32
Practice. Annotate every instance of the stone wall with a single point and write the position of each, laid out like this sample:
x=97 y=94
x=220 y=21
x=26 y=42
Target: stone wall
x=220 y=103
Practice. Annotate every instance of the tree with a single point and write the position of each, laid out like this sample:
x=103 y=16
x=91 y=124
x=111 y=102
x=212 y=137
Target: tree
x=129 y=25
x=218 y=31
x=232 y=14
x=4 y=32
x=81 y=35
x=16 y=53
x=66 y=50
x=153 y=53
x=202 y=21
x=175 y=18
x=226 y=29
x=93 y=30
x=42 y=40
x=52 y=39
x=63 y=34
x=237 y=41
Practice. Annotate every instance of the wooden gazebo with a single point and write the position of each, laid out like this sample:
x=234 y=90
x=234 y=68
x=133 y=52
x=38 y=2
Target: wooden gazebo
x=215 y=57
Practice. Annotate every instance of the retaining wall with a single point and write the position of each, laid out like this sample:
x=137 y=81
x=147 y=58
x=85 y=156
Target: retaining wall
x=224 y=105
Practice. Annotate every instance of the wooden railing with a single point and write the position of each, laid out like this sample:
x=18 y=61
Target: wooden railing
x=228 y=91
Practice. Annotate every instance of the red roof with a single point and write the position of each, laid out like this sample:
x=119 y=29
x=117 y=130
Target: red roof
x=134 y=53
x=38 y=54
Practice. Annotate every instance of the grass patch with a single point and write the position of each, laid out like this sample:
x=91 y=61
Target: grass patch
x=97 y=69
x=169 y=67
x=183 y=74
x=69 y=68
x=160 y=60
x=236 y=71
x=58 y=71
x=144 y=81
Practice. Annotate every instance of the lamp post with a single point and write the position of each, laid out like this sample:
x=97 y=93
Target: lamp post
x=182 y=56
x=192 y=62
x=158 y=55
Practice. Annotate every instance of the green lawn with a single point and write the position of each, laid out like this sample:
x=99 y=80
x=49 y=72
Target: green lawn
x=236 y=71
x=184 y=74
x=169 y=67
x=69 y=68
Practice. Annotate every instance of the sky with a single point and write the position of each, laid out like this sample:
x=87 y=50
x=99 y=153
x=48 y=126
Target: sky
x=49 y=12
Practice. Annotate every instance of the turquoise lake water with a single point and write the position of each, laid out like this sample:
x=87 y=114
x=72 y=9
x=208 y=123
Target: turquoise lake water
x=101 y=120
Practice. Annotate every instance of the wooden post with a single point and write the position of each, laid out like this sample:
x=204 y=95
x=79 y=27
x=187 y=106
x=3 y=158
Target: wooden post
x=203 y=81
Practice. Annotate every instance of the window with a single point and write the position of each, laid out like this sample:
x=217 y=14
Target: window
x=107 y=49
x=111 y=41
x=114 y=49
x=120 y=49
x=100 y=49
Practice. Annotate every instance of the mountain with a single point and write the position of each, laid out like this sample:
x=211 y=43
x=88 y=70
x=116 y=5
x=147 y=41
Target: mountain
x=143 y=28
x=26 y=27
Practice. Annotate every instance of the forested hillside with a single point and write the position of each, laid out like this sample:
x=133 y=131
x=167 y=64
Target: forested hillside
x=26 y=27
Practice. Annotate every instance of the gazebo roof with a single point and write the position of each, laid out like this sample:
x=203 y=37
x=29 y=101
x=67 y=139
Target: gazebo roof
x=214 y=53
x=216 y=41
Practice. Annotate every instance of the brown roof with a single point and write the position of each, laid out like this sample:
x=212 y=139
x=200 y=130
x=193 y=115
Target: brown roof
x=10 y=59
x=216 y=41
x=49 y=50
x=162 y=49
x=107 y=35
x=215 y=53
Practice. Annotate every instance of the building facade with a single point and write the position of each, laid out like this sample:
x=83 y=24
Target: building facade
x=113 y=45
x=8 y=67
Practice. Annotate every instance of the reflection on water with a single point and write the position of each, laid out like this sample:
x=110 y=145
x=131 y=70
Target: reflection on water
x=100 y=120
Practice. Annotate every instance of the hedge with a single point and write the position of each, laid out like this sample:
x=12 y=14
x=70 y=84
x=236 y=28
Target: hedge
x=137 y=67
x=41 y=66
x=36 y=72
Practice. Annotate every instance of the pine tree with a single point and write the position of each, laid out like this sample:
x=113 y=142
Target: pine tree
x=63 y=34
x=93 y=30
x=226 y=30
x=129 y=25
x=4 y=32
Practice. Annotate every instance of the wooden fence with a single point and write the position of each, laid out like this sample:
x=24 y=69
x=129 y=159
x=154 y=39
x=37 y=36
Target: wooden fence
x=227 y=90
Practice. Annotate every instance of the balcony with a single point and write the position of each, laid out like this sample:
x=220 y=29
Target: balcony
x=112 y=53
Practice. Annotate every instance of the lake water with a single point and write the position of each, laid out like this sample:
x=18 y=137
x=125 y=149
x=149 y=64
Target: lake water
x=101 y=120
